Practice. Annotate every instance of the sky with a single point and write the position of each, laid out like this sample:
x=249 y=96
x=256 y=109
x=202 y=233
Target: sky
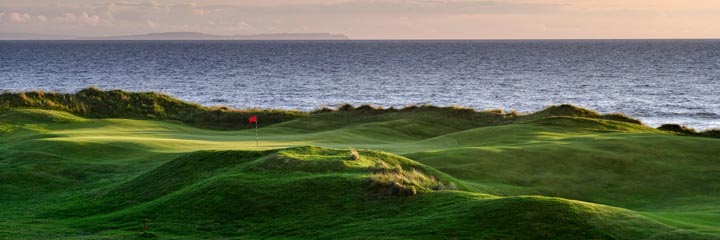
x=372 y=19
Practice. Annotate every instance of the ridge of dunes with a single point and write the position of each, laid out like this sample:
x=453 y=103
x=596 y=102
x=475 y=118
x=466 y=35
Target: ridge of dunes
x=561 y=173
x=312 y=192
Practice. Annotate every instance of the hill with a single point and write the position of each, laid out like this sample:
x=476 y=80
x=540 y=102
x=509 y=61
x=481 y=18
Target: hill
x=204 y=36
x=310 y=192
x=94 y=103
x=561 y=173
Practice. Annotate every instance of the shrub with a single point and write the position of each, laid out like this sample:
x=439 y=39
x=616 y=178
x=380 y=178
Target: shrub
x=409 y=108
x=322 y=110
x=346 y=107
x=678 y=129
x=367 y=107
x=512 y=114
x=712 y=133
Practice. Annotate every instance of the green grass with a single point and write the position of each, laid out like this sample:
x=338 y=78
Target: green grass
x=95 y=103
x=562 y=173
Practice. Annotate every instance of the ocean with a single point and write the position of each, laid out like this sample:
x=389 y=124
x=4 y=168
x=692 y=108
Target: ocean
x=657 y=81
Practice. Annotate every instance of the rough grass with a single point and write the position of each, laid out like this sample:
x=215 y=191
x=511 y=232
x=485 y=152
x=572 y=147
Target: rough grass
x=395 y=181
x=713 y=133
x=567 y=110
x=70 y=177
x=94 y=103
x=687 y=131
x=684 y=130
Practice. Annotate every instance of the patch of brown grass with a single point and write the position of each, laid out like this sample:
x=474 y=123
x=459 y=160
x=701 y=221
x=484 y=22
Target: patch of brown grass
x=354 y=154
x=395 y=181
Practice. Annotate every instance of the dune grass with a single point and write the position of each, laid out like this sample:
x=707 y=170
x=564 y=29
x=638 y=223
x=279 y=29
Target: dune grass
x=563 y=173
x=95 y=103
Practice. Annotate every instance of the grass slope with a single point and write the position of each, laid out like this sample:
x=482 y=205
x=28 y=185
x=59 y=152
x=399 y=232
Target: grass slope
x=64 y=176
x=94 y=103
x=311 y=192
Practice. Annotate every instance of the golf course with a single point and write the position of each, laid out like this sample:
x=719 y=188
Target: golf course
x=102 y=164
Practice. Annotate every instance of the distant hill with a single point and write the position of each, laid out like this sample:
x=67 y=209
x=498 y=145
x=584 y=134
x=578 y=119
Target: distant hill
x=179 y=36
x=204 y=36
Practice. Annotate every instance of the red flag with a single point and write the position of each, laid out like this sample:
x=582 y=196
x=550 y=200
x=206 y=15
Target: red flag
x=252 y=119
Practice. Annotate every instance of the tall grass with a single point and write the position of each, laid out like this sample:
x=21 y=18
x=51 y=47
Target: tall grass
x=395 y=181
x=687 y=131
x=95 y=103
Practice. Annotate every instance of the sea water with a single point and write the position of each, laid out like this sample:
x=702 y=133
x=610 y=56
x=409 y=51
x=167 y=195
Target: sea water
x=657 y=81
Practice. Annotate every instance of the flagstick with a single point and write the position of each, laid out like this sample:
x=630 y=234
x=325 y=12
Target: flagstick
x=257 y=139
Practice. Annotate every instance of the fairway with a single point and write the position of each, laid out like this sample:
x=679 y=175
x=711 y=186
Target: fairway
x=552 y=174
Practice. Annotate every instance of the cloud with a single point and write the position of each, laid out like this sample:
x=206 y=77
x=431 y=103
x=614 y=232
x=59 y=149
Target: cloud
x=82 y=18
x=147 y=4
x=198 y=12
x=19 y=17
x=152 y=24
x=370 y=18
x=242 y=25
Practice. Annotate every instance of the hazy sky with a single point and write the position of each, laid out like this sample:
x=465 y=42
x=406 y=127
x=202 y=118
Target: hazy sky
x=395 y=19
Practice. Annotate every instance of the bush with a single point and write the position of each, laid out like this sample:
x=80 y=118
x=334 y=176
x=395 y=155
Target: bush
x=712 y=133
x=323 y=110
x=678 y=129
x=346 y=108
x=367 y=107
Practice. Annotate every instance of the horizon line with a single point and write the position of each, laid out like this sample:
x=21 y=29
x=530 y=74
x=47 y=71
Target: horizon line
x=370 y=39
x=60 y=37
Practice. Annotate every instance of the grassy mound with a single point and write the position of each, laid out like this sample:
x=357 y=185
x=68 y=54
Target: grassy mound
x=479 y=174
x=305 y=195
x=24 y=174
x=687 y=131
x=94 y=103
x=567 y=110
x=713 y=133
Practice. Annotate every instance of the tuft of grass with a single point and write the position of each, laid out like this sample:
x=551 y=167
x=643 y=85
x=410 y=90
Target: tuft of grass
x=354 y=154
x=389 y=180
